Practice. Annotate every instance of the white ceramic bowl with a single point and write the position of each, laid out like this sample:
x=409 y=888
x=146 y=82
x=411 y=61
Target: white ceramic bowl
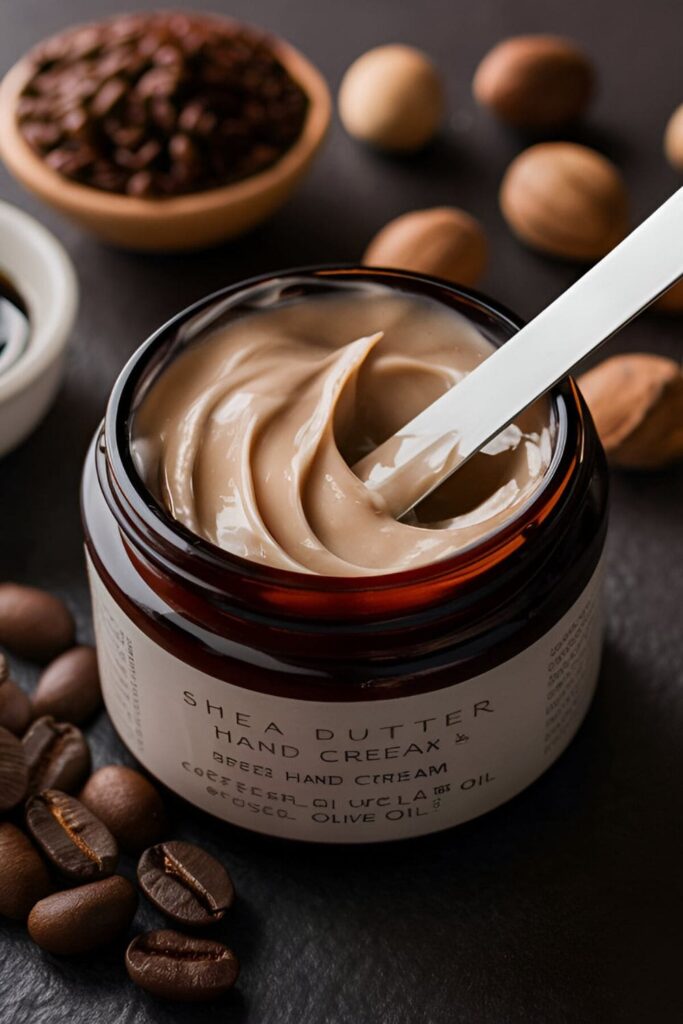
x=39 y=268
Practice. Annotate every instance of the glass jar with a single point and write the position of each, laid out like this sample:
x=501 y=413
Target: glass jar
x=351 y=709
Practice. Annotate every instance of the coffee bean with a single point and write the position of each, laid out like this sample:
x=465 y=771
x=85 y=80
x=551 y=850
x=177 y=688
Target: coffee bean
x=158 y=82
x=33 y=623
x=120 y=103
x=23 y=876
x=13 y=770
x=128 y=804
x=140 y=184
x=57 y=755
x=69 y=688
x=107 y=97
x=128 y=138
x=163 y=114
x=16 y=710
x=71 y=160
x=139 y=159
x=186 y=883
x=181 y=967
x=81 y=919
x=76 y=842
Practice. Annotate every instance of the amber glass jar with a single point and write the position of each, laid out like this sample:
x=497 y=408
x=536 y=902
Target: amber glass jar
x=344 y=709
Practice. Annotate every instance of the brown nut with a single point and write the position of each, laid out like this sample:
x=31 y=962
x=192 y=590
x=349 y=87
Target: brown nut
x=673 y=139
x=534 y=81
x=443 y=241
x=392 y=98
x=637 y=404
x=565 y=199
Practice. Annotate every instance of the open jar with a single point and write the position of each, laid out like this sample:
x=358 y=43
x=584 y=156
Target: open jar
x=344 y=709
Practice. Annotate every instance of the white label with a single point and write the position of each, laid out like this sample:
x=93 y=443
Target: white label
x=352 y=771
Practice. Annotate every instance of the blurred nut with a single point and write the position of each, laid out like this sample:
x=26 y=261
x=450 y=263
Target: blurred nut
x=566 y=200
x=673 y=139
x=392 y=98
x=637 y=404
x=535 y=81
x=672 y=300
x=444 y=241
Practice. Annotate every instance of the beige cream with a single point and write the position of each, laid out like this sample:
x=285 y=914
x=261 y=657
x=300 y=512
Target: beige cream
x=248 y=436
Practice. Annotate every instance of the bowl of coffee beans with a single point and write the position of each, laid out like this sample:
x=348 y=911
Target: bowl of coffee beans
x=163 y=131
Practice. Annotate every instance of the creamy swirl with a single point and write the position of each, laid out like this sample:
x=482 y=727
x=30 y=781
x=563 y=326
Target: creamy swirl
x=248 y=436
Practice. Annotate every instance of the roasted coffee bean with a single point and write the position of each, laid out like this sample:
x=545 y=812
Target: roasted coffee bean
x=81 y=919
x=13 y=770
x=72 y=159
x=128 y=138
x=140 y=184
x=183 y=151
x=181 y=967
x=128 y=804
x=76 y=125
x=138 y=159
x=23 y=876
x=33 y=623
x=161 y=82
x=198 y=75
x=57 y=755
x=186 y=883
x=43 y=136
x=69 y=688
x=76 y=842
x=16 y=710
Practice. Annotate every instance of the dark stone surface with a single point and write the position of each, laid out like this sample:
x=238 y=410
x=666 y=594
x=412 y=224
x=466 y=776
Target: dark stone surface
x=564 y=905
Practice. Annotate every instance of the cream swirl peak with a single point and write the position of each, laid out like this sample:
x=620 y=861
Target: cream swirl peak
x=248 y=436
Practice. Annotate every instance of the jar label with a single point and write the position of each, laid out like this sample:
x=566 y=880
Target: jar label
x=352 y=771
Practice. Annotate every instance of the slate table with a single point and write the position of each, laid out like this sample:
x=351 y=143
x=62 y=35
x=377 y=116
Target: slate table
x=562 y=907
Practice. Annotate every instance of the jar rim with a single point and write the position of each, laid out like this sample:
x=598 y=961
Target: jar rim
x=141 y=515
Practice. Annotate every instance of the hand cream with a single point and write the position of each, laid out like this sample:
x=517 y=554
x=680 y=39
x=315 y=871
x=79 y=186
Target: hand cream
x=247 y=438
x=298 y=663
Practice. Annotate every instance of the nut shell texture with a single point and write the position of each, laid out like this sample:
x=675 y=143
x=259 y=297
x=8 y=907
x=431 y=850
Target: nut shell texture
x=566 y=200
x=636 y=401
x=535 y=81
x=444 y=241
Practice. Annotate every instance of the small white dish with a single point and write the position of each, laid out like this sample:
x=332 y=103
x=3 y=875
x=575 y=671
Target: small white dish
x=39 y=268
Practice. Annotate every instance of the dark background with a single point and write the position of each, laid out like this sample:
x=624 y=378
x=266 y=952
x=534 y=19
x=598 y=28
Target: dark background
x=564 y=905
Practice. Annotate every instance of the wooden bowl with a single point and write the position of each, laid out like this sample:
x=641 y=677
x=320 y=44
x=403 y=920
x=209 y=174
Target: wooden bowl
x=185 y=222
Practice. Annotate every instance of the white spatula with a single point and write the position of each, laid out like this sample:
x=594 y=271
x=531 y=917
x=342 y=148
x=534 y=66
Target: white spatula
x=411 y=463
